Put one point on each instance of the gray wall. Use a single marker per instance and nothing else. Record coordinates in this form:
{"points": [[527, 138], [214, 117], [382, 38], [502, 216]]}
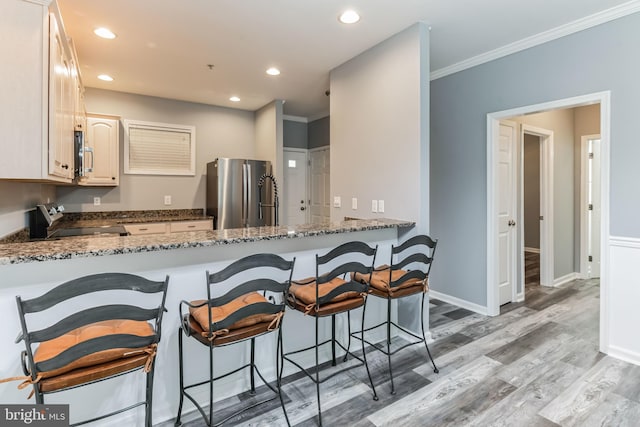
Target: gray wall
{"points": [[598, 59], [319, 132], [220, 132], [531, 175], [379, 129], [295, 134], [269, 139]]}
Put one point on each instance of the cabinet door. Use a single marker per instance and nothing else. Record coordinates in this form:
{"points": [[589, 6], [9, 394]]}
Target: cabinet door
{"points": [[147, 228], [102, 140], [61, 97]]}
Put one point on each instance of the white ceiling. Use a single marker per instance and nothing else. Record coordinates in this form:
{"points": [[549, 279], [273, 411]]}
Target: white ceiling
{"points": [[163, 46]]}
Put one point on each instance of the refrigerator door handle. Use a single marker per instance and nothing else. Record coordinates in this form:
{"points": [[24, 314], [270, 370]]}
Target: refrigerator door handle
{"points": [[245, 192], [249, 196]]}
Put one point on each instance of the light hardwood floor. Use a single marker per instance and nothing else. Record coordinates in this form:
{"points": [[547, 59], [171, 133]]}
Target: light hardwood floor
{"points": [[537, 364]]}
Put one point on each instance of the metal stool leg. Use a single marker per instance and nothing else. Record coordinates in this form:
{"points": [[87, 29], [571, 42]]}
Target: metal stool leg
{"points": [[279, 369], [435, 369], [333, 340], [344, 359], [181, 370], [393, 389], [210, 384], [149, 396], [318, 376], [364, 354], [253, 366]]}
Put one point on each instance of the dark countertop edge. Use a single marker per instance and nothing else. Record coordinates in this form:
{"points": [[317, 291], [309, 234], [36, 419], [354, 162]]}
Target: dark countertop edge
{"points": [[193, 239]]}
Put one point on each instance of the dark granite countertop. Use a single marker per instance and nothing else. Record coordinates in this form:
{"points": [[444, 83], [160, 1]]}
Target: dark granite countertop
{"points": [[79, 247]]}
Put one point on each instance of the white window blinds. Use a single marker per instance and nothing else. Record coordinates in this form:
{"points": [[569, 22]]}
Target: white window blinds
{"points": [[159, 148]]}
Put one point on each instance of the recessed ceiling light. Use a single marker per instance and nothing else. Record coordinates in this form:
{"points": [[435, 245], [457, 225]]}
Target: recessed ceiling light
{"points": [[273, 71], [349, 17], [234, 99], [105, 77], [105, 33]]}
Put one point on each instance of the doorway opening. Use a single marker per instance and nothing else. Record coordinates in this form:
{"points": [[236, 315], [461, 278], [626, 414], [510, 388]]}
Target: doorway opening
{"points": [[565, 227], [532, 148]]}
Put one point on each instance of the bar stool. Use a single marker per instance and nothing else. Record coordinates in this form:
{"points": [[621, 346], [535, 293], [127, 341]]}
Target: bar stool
{"points": [[328, 294], [254, 306], [393, 282], [96, 343]]}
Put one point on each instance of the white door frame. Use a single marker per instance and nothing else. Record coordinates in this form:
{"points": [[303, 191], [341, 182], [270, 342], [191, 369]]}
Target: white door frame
{"points": [[307, 189], [546, 206], [584, 249], [493, 119]]}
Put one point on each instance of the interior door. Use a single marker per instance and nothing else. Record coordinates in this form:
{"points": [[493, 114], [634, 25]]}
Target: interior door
{"points": [[507, 184], [594, 212], [295, 187], [320, 167]]}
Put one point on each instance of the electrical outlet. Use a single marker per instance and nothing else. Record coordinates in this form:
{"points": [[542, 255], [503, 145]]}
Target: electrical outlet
{"points": [[96, 201], [337, 202], [381, 206], [354, 203], [167, 200], [374, 206]]}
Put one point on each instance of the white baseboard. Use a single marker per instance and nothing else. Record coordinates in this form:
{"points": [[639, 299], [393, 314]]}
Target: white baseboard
{"points": [[625, 355], [533, 250], [565, 279], [520, 297], [459, 302]]}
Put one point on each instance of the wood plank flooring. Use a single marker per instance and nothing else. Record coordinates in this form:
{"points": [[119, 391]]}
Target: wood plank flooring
{"points": [[537, 364]]}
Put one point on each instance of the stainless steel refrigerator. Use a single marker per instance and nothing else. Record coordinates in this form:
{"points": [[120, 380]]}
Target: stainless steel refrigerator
{"points": [[233, 193]]}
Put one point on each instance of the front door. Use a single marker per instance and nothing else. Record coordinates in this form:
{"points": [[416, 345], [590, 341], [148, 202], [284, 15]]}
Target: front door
{"points": [[295, 187], [320, 207], [507, 184]]}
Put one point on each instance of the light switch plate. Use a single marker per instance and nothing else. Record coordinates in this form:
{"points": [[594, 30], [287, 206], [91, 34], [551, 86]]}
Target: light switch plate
{"points": [[167, 200], [337, 202], [354, 203], [374, 206], [96, 201], [381, 206]]}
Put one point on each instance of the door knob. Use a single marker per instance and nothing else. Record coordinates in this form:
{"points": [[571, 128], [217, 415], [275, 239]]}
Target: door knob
{"points": [[302, 201], [301, 208]]}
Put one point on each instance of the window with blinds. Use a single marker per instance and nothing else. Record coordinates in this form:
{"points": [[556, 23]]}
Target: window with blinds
{"points": [[159, 148]]}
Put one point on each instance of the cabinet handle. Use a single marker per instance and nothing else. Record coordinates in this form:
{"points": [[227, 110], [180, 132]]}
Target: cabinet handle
{"points": [[113, 178], [65, 166], [191, 226], [143, 229]]}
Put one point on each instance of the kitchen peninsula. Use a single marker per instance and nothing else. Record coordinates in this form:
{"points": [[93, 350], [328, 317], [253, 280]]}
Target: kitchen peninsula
{"points": [[29, 269]]}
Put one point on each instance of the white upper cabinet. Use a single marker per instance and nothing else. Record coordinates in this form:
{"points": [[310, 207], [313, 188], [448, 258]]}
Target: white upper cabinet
{"points": [[101, 156], [37, 113], [62, 100]]}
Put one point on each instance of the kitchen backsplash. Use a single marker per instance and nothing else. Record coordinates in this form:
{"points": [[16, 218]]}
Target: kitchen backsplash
{"points": [[151, 214]]}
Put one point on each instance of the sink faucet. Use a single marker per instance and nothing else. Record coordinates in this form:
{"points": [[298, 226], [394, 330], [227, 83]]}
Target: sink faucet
{"points": [[275, 204]]}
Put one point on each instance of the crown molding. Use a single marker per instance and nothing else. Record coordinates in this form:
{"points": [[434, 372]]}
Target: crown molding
{"points": [[318, 116], [295, 118], [602, 17]]}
